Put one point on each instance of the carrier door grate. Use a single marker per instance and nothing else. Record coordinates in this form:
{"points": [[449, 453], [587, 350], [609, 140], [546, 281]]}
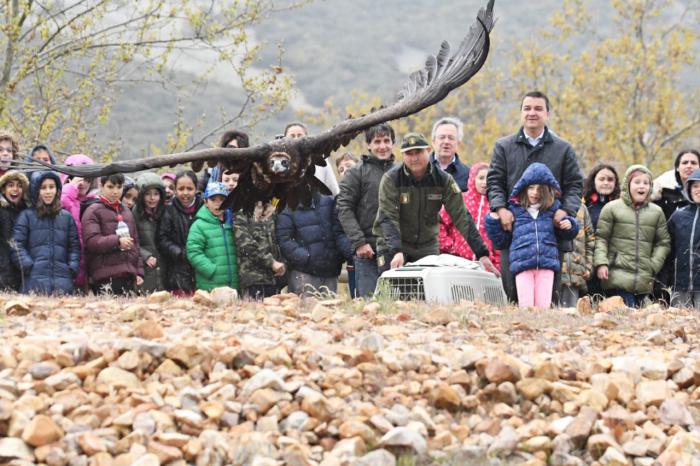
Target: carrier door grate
{"points": [[405, 289]]}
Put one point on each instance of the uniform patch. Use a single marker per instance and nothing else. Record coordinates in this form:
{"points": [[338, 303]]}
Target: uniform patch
{"points": [[380, 261], [455, 188], [405, 198], [434, 197]]}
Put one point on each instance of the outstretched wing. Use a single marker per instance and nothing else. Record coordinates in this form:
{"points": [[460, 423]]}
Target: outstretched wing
{"points": [[442, 74]]}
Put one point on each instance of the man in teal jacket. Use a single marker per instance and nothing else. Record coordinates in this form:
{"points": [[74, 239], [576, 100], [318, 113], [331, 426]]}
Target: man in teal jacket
{"points": [[210, 246]]}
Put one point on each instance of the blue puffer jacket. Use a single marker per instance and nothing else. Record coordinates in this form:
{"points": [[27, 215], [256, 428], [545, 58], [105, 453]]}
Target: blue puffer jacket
{"points": [[311, 238], [684, 228], [533, 242], [48, 247]]}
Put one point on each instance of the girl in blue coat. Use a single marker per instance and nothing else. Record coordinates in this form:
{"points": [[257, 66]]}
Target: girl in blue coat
{"points": [[48, 248], [684, 228], [534, 254]]}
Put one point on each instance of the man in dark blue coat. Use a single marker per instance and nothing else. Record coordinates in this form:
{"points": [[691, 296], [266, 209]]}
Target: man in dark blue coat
{"points": [[447, 134]]}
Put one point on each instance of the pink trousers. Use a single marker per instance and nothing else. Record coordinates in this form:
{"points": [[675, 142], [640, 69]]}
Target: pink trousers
{"points": [[535, 288]]}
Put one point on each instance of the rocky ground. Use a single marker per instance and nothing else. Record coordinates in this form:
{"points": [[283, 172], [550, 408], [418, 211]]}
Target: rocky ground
{"points": [[214, 381]]}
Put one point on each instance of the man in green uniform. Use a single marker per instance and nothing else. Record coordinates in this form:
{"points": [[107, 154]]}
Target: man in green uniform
{"points": [[410, 197]]}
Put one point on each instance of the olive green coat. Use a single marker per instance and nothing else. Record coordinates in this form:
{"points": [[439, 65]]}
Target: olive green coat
{"points": [[577, 265], [632, 241]]}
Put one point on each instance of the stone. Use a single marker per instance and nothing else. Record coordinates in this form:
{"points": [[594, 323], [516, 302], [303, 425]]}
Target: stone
{"points": [[584, 305], [63, 380], [223, 296], [129, 360], [534, 444], [598, 445], [264, 378], [504, 444], [356, 428], [611, 304], [41, 430], [248, 446], [165, 453], [498, 372], [42, 370], [159, 297], [652, 392], [437, 316], [445, 397], [684, 448], [264, 399], [349, 448], [147, 460], [118, 378], [203, 297], [13, 448], [580, 428], [533, 387], [298, 420], [402, 439], [638, 446], [147, 329], [674, 413], [613, 457], [17, 307], [173, 439], [380, 457], [604, 320], [316, 405], [91, 444]]}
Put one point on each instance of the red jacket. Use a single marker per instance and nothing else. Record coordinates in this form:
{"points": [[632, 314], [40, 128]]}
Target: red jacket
{"points": [[451, 241], [104, 258]]}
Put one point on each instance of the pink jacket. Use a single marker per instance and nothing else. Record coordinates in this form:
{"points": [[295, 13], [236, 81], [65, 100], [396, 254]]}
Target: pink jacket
{"points": [[451, 241]]}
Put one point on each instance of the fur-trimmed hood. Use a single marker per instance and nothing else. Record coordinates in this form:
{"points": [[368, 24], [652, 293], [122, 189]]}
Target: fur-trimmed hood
{"points": [[14, 175]]}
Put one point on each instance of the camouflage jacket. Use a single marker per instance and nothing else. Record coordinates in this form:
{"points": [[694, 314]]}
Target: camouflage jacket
{"points": [[257, 248], [577, 265]]}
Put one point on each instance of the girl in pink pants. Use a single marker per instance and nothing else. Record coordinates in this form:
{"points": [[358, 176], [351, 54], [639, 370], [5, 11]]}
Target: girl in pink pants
{"points": [[534, 254]]}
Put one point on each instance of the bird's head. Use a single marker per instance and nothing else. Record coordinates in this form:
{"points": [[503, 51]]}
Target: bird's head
{"points": [[279, 163]]}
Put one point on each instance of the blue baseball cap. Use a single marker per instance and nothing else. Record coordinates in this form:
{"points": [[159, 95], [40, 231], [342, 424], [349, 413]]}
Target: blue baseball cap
{"points": [[215, 189]]}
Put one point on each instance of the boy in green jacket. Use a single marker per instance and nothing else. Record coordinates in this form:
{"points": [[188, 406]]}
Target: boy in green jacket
{"points": [[210, 245]]}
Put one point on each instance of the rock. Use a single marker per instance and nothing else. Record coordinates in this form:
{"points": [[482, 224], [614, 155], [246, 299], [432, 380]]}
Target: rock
{"points": [[598, 445], [147, 460], [356, 428], [684, 448], [638, 446], [41, 430], [404, 439], [611, 304], [531, 388], [547, 370], [504, 444], [17, 307], [316, 405], [613, 457], [159, 297], [437, 316], [497, 372], [265, 378], [652, 392], [129, 360], [165, 453], [118, 378], [91, 444], [534, 444], [298, 420], [14, 448], [349, 448], [604, 320], [249, 446], [63, 380], [133, 312], [147, 329], [223, 296], [379, 457], [580, 428], [674, 413], [264, 399], [203, 297], [584, 306], [42, 370], [445, 397]]}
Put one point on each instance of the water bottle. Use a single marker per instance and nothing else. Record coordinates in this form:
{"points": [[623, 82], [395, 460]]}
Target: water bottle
{"points": [[122, 228]]}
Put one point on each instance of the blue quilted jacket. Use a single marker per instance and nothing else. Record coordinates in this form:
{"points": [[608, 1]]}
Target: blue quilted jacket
{"points": [[533, 242]]}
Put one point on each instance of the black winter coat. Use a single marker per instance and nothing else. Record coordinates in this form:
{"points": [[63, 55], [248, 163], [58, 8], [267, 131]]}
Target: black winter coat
{"points": [[10, 275], [171, 239], [49, 251], [513, 154], [311, 238]]}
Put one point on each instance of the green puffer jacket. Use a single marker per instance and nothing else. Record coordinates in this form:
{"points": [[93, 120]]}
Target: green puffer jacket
{"points": [[632, 242], [212, 252], [577, 265]]}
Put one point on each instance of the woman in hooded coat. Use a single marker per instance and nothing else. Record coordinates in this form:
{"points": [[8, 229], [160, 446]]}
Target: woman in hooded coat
{"points": [[14, 198], [147, 213]]}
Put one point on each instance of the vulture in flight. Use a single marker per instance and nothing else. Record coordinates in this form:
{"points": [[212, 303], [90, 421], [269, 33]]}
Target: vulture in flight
{"points": [[284, 168]]}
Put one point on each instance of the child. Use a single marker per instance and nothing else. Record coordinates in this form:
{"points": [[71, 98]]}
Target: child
{"points": [[632, 241], [9, 148], [684, 229], [130, 193], [76, 193], [112, 242], [451, 240], [344, 163], [261, 270], [171, 235], [577, 265], [169, 184], [230, 180], [601, 186], [313, 245], [46, 240], [14, 188], [210, 246], [534, 255], [147, 213]]}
